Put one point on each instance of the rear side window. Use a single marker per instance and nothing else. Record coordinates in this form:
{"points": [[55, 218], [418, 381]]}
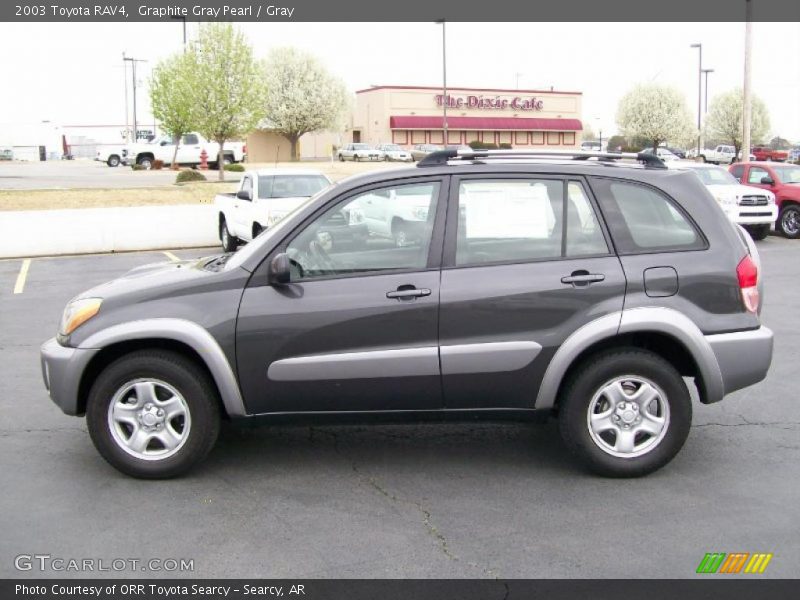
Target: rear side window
{"points": [[643, 220]]}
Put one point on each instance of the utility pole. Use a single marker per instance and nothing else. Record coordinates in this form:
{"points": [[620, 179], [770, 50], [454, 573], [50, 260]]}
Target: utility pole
{"points": [[444, 77], [133, 62], [181, 18], [747, 114], [125, 79], [706, 72], [699, 97]]}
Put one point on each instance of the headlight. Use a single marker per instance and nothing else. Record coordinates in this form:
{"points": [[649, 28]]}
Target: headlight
{"points": [[77, 313], [725, 200]]}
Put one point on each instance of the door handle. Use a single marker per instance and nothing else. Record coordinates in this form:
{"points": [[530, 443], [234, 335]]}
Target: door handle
{"points": [[403, 293], [583, 278]]}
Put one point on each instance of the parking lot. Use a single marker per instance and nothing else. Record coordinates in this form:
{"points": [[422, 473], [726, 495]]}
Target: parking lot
{"points": [[471, 500]]}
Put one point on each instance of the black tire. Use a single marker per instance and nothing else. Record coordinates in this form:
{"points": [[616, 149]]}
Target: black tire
{"points": [[229, 241], [758, 232], [356, 158], [789, 221], [257, 229], [145, 161], [227, 159], [113, 161], [341, 158], [188, 379], [577, 397]]}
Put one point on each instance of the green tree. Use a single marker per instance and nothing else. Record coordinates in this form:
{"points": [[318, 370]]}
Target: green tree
{"points": [[779, 143], [171, 98], [227, 85], [656, 113], [588, 133], [616, 142], [302, 96], [724, 119]]}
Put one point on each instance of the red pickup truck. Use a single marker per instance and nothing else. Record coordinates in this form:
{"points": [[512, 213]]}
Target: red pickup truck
{"points": [[781, 180], [765, 153]]}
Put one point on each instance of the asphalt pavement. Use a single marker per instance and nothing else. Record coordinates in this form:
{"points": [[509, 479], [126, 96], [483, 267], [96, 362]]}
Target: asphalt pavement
{"points": [[472, 500]]}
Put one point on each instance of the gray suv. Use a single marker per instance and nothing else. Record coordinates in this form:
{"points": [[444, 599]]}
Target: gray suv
{"points": [[584, 286]]}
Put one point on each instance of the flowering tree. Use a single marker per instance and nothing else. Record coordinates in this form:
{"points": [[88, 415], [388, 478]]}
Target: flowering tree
{"points": [[227, 85], [725, 119], [171, 98], [657, 113], [301, 95]]}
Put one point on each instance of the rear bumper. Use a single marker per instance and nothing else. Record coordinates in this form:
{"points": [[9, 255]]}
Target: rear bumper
{"points": [[743, 357], [62, 369]]}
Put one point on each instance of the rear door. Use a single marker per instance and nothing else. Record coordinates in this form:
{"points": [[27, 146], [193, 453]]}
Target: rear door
{"points": [[527, 262]]}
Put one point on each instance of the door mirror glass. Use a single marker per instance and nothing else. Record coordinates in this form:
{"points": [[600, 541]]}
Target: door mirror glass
{"points": [[280, 269], [244, 195], [767, 180]]}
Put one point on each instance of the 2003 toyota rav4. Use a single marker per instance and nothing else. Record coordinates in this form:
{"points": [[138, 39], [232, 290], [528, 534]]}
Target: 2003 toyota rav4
{"points": [[533, 284]]}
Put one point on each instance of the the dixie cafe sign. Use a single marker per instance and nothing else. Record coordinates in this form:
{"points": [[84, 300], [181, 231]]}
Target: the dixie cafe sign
{"points": [[490, 102]]}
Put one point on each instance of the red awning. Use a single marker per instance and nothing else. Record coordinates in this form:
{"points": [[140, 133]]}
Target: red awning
{"points": [[486, 123]]}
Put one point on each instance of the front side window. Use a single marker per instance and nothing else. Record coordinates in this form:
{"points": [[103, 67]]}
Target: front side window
{"points": [[737, 171], [644, 220], [756, 174], [787, 173], [190, 139], [247, 185], [383, 230]]}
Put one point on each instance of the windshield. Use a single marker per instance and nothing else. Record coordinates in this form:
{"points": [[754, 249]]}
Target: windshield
{"points": [[391, 147], [360, 146], [290, 186], [787, 173], [715, 176]]}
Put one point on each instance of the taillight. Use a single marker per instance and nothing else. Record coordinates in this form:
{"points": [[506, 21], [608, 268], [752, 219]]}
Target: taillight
{"points": [[747, 273]]}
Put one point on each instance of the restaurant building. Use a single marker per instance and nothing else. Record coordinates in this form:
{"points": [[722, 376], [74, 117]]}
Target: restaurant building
{"points": [[408, 116]]}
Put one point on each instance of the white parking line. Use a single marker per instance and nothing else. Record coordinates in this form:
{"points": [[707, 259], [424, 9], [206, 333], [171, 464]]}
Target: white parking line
{"points": [[23, 275], [171, 256]]}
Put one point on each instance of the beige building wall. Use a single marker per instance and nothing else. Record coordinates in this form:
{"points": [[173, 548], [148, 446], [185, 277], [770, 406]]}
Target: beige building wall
{"points": [[374, 107], [265, 146]]}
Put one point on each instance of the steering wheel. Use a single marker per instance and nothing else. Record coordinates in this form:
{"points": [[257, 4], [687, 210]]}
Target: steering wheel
{"points": [[321, 257]]}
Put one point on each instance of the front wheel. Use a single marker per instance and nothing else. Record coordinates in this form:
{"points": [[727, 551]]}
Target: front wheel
{"points": [[229, 242], [153, 414], [145, 162], [625, 413], [758, 232], [789, 221]]}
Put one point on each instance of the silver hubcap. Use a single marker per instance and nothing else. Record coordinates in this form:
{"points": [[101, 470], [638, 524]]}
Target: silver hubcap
{"points": [[628, 416], [791, 221], [149, 419], [225, 237]]}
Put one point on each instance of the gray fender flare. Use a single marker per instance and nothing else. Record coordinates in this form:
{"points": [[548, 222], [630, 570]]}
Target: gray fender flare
{"points": [[189, 333], [663, 320]]}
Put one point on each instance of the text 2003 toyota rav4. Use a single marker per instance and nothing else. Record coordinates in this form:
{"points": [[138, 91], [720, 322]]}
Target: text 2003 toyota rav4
{"points": [[581, 288]]}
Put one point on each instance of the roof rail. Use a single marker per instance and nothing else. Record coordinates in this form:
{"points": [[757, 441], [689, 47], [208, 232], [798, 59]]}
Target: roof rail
{"points": [[444, 157]]}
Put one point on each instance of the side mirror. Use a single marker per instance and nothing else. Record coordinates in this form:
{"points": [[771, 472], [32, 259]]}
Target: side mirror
{"points": [[244, 195], [280, 270], [163, 143], [767, 180]]}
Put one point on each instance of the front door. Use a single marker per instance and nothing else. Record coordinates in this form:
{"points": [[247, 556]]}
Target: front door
{"points": [[527, 263], [189, 150], [357, 327]]}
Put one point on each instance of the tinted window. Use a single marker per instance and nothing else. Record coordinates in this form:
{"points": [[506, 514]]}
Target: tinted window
{"points": [[755, 175], [584, 235], [381, 230], [290, 186], [644, 220], [190, 139]]}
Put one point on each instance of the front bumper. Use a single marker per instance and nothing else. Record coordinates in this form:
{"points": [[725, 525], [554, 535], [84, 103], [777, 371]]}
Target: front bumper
{"points": [[62, 369], [754, 215], [743, 357]]}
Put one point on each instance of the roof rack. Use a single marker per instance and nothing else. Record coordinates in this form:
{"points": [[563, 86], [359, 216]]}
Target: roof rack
{"points": [[444, 157]]}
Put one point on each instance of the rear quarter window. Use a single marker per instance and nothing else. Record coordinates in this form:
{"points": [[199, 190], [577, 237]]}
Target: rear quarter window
{"points": [[643, 220]]}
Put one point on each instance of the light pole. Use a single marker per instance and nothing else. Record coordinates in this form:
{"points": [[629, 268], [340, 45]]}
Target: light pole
{"points": [[706, 72], [517, 76], [747, 100], [699, 94], [444, 77], [133, 62], [181, 18]]}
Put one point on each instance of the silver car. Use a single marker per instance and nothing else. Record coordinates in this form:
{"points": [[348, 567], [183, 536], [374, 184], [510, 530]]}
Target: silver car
{"points": [[420, 151], [358, 151], [394, 152]]}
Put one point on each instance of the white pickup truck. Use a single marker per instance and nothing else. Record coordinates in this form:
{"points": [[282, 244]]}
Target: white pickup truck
{"points": [[264, 197], [111, 155], [189, 150], [721, 155]]}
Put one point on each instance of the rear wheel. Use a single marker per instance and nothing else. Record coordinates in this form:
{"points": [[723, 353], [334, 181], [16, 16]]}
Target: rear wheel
{"points": [[341, 158], [113, 161], [145, 162], [789, 221], [153, 414], [229, 242], [625, 413]]}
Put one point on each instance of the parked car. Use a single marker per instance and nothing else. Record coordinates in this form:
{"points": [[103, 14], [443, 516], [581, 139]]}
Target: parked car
{"points": [[190, 148], [679, 152], [358, 152], [393, 152], [420, 151], [591, 146], [663, 153], [264, 197], [111, 155], [751, 207], [398, 214], [721, 155], [583, 290], [783, 180], [765, 153], [6, 154], [794, 154]]}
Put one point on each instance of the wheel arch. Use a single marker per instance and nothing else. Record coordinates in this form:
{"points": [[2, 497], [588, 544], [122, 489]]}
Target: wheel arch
{"points": [[183, 337], [666, 332]]}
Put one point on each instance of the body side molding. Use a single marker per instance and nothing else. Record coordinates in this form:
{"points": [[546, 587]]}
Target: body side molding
{"points": [[490, 357], [189, 333], [397, 362]]}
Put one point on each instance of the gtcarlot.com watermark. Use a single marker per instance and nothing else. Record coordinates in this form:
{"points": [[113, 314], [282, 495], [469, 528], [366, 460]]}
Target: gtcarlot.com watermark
{"points": [[46, 563]]}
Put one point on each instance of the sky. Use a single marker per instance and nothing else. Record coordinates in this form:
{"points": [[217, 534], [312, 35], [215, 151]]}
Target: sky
{"points": [[72, 73]]}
